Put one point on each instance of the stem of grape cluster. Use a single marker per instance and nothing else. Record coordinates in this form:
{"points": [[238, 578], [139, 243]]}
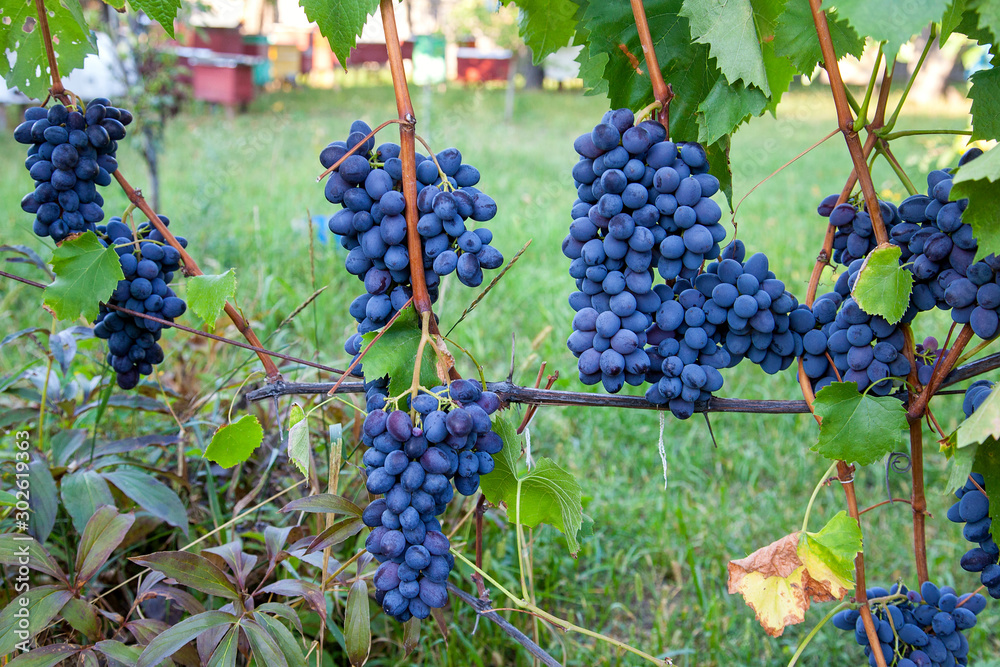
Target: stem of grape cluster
{"points": [[57, 89], [913, 76], [846, 121], [191, 269], [662, 92]]}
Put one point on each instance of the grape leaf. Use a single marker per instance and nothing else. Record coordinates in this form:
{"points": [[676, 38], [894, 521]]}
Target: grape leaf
{"points": [[726, 107], [393, 354], [951, 19], [86, 274], [781, 580], [162, 11], [727, 26], [858, 427], [548, 493], [340, 21], [207, 295], [780, 71], [979, 180], [983, 425], [829, 554], [883, 286], [19, 34], [298, 439], [961, 464], [235, 443], [545, 25], [987, 464], [887, 21], [985, 94], [795, 37]]}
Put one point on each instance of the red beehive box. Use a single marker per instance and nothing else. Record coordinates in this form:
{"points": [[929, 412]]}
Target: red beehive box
{"points": [[221, 69], [482, 65]]}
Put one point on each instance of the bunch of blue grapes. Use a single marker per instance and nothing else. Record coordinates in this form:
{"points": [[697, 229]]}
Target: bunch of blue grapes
{"points": [[372, 224], [71, 151], [865, 349], [643, 203], [149, 266], [413, 462], [940, 250], [854, 236], [917, 629]]}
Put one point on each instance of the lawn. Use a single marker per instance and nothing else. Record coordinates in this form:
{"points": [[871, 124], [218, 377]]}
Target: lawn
{"points": [[653, 572]]}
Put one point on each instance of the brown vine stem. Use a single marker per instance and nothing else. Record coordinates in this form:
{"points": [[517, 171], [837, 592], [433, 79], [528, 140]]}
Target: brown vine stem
{"points": [[845, 474], [918, 499], [941, 370], [361, 355], [846, 121], [408, 156], [191, 269], [661, 91], [57, 89]]}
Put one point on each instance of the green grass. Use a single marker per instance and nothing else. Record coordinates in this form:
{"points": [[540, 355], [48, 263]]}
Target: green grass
{"points": [[654, 571]]}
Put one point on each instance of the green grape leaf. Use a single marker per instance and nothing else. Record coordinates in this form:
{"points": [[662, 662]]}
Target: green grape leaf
{"points": [[726, 107], [727, 27], [883, 286], [858, 427], [795, 37], [548, 494], [952, 19], [340, 21], [961, 465], [298, 439], [393, 354], [888, 22], [829, 554], [979, 180], [545, 26], [207, 295], [987, 464], [985, 94], [86, 274], [983, 425], [234, 443], [162, 11], [19, 34], [780, 71]]}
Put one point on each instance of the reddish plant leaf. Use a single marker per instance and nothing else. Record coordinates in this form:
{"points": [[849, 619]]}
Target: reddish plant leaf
{"points": [[324, 503], [174, 638], [45, 656], [15, 547], [102, 535], [357, 624], [190, 570]]}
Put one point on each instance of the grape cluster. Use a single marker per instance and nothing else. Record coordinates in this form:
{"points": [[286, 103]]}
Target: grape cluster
{"points": [[735, 310], [149, 265], [372, 224], [71, 151], [413, 463], [865, 349], [917, 629], [854, 236], [642, 203]]}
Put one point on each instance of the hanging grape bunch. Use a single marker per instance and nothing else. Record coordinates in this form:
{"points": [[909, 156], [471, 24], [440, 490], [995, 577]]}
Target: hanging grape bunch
{"points": [[149, 266], [71, 151], [372, 224]]}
